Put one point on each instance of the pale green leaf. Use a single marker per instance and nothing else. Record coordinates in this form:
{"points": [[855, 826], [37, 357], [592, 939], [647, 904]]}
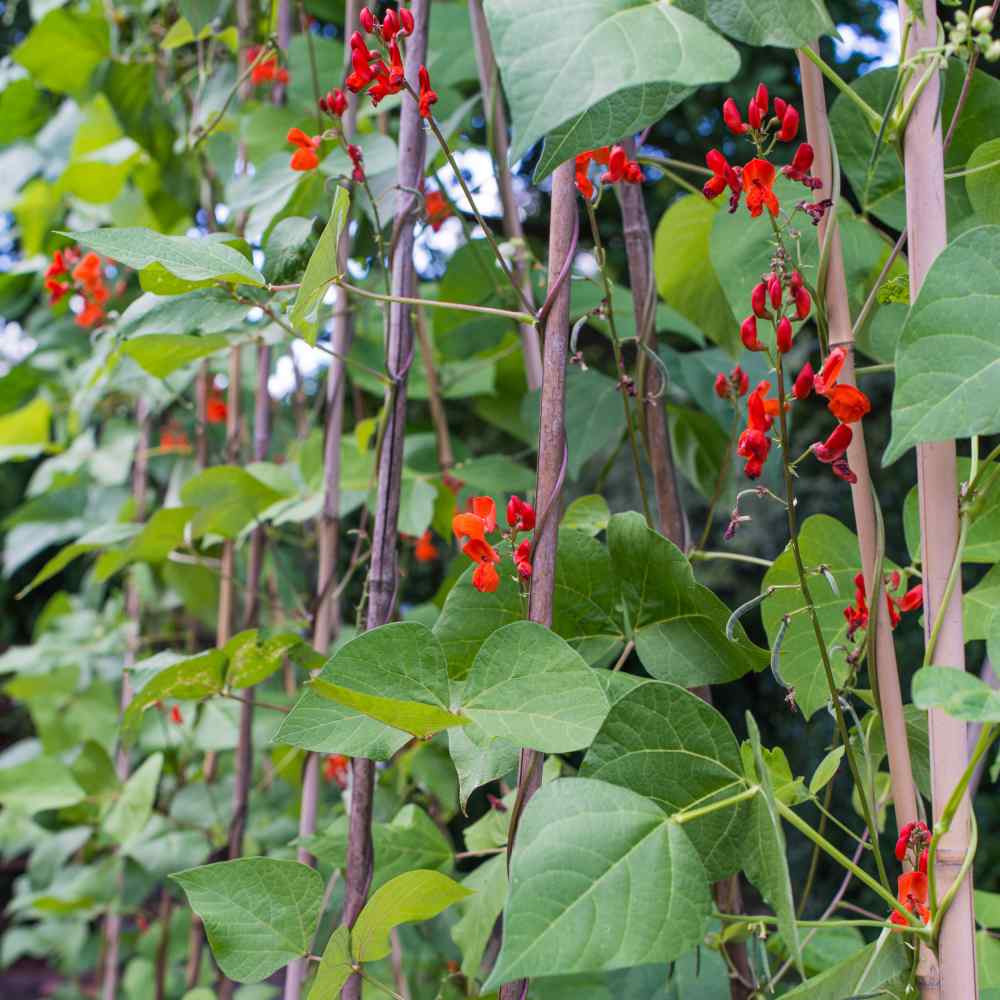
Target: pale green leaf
{"points": [[99, 538], [134, 806], [335, 966], [982, 182], [64, 48], [38, 784], [786, 23], [259, 913], [826, 770], [589, 514], [488, 884], [961, 695], [227, 498], [321, 269]]}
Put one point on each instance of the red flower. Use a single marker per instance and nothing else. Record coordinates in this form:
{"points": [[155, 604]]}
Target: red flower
{"points": [[779, 108], [798, 169], [758, 180], [748, 334], [804, 382], [485, 578], [522, 559], [427, 96], [90, 315], [783, 335], [758, 300], [520, 515], [803, 303], [88, 271], [436, 209], [857, 615], [754, 446], [723, 176], [835, 446], [731, 116], [334, 103], [175, 716], [775, 292], [789, 124], [830, 371], [761, 98], [304, 158], [732, 386], [367, 19], [912, 599], [390, 25], [357, 158], [173, 439], [847, 403], [361, 72], [267, 70], [478, 522], [425, 550], [216, 410], [912, 893], [405, 21], [335, 768]]}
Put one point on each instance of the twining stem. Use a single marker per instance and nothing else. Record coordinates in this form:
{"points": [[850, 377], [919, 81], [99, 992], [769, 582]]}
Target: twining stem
{"points": [[383, 574], [435, 403], [619, 362], [873, 117], [793, 532], [720, 481]]}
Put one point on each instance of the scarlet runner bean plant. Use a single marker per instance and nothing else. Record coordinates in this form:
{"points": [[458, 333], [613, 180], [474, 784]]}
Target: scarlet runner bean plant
{"points": [[497, 660]]}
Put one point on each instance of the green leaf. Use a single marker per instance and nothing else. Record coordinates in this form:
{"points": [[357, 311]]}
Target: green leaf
{"points": [[162, 354], [665, 743], [166, 675], [288, 248], [488, 884], [882, 192], [600, 879], [787, 23], [63, 49], [948, 355], [685, 277], [228, 498], [699, 445], [181, 256], [624, 113], [826, 770], [767, 856], [529, 686], [420, 720], [38, 784], [982, 543], [259, 913], [25, 431], [335, 966], [321, 269], [253, 659], [130, 813], [987, 909], [961, 695], [982, 182], [479, 758], [99, 538], [408, 898], [624, 47], [823, 541], [589, 514], [678, 625], [862, 975], [159, 536]]}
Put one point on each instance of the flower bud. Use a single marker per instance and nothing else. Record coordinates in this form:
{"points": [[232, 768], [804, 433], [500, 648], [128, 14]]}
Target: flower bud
{"points": [[740, 380], [731, 116], [761, 98], [789, 124], [803, 303], [774, 291], [748, 334], [982, 19], [357, 40], [723, 389], [779, 108], [803, 158], [405, 21], [758, 300], [754, 117], [803, 386], [795, 281], [367, 21], [390, 25], [783, 335]]}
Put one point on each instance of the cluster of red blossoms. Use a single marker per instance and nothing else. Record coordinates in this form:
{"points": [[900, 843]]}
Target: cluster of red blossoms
{"points": [[479, 521], [618, 167], [912, 886], [216, 410], [173, 439], [67, 271], [857, 613], [267, 70], [756, 178], [370, 71], [732, 386]]}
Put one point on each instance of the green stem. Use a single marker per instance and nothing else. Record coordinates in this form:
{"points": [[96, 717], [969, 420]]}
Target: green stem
{"points": [[949, 589], [701, 555], [520, 317], [791, 817], [873, 369], [743, 918], [874, 118], [664, 164], [688, 815], [619, 363]]}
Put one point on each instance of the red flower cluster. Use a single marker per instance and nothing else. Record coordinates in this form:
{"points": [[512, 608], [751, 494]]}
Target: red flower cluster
{"points": [[335, 768], [771, 290], [334, 103], [732, 386], [912, 886], [267, 70], [174, 440], [618, 168], [756, 178], [857, 613], [481, 520], [67, 271], [425, 550], [754, 444]]}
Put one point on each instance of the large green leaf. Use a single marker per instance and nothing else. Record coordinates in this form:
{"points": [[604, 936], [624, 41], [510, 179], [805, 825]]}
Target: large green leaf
{"points": [[667, 744], [253, 658], [766, 853], [685, 277], [625, 46], [228, 498], [92, 541], [881, 192], [131, 812], [823, 541], [788, 23], [678, 625], [183, 257], [961, 695], [413, 896], [38, 784], [259, 913], [861, 975], [24, 432], [529, 686], [982, 182], [623, 113], [321, 269], [600, 879], [948, 355], [64, 48]]}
